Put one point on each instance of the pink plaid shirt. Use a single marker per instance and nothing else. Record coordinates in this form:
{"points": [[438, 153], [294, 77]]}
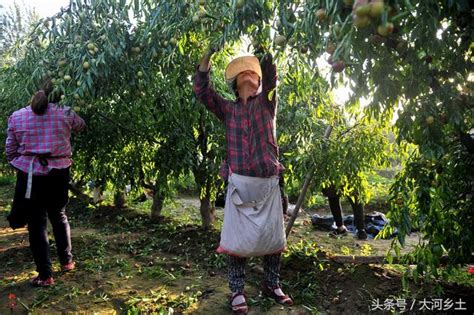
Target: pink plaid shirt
{"points": [[49, 134]]}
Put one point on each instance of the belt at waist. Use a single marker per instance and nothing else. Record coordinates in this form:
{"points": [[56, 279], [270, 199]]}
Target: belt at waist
{"points": [[43, 159]]}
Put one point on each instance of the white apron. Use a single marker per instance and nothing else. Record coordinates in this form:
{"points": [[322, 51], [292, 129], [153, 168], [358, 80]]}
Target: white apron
{"points": [[253, 217]]}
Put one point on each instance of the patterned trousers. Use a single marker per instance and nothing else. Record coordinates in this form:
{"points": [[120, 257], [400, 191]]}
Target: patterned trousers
{"points": [[236, 266]]}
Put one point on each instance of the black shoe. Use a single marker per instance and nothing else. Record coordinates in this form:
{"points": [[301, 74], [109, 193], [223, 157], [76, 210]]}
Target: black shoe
{"points": [[361, 234]]}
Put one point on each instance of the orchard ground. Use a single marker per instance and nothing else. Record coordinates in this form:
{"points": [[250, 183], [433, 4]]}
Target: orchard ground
{"points": [[127, 265]]}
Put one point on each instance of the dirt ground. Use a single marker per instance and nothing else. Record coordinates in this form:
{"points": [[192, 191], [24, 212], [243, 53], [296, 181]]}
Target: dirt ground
{"points": [[127, 265]]}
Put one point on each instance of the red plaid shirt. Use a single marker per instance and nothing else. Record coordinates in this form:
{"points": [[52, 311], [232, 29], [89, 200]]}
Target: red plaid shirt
{"points": [[250, 129], [49, 134]]}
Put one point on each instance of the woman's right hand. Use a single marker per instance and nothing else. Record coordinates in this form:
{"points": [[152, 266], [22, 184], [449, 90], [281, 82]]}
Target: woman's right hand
{"points": [[206, 59]]}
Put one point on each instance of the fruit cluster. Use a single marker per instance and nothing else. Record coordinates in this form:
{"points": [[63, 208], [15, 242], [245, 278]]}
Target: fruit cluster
{"points": [[363, 14]]}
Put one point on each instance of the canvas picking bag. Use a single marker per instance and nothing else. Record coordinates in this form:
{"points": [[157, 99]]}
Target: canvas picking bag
{"points": [[253, 217]]}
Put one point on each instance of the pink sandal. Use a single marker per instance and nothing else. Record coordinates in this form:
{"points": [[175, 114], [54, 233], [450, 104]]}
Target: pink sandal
{"points": [[239, 308], [277, 295], [68, 267], [37, 282]]}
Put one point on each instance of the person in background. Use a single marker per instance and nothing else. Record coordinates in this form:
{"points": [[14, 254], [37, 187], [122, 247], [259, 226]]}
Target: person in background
{"points": [[251, 166], [38, 146], [336, 210]]}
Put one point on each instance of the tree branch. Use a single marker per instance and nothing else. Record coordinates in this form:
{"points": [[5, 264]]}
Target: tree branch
{"points": [[302, 195], [129, 129]]}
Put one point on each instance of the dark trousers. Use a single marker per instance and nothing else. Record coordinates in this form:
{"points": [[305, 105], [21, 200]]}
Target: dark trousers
{"points": [[336, 209], [49, 197], [271, 269]]}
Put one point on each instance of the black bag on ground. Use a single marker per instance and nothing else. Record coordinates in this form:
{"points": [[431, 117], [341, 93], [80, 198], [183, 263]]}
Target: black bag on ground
{"points": [[374, 223]]}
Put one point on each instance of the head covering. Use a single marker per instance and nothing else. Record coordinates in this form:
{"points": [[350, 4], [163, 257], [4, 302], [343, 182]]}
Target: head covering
{"points": [[242, 64]]}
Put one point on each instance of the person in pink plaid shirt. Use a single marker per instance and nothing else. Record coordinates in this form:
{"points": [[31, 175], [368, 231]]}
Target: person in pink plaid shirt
{"points": [[251, 167], [38, 146]]}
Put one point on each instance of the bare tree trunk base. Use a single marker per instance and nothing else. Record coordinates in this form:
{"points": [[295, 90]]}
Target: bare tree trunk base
{"points": [[156, 208], [158, 219], [207, 210], [119, 200]]}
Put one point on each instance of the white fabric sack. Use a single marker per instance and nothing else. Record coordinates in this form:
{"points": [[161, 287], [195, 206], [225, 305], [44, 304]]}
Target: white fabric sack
{"points": [[253, 217]]}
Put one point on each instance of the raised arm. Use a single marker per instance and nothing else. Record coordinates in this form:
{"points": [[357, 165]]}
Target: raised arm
{"points": [[11, 146], [206, 61], [78, 123], [204, 91], [269, 81]]}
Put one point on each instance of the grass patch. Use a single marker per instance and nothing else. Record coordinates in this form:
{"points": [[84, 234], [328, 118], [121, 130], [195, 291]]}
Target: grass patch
{"points": [[7, 180], [160, 302]]}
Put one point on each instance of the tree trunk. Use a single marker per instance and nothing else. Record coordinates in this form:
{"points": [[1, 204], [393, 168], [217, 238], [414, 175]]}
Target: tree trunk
{"points": [[119, 199], [203, 178], [207, 210], [157, 206], [97, 194]]}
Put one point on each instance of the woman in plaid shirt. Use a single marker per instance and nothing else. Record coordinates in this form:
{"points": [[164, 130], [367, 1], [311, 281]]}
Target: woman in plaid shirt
{"points": [[252, 169], [38, 147]]}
